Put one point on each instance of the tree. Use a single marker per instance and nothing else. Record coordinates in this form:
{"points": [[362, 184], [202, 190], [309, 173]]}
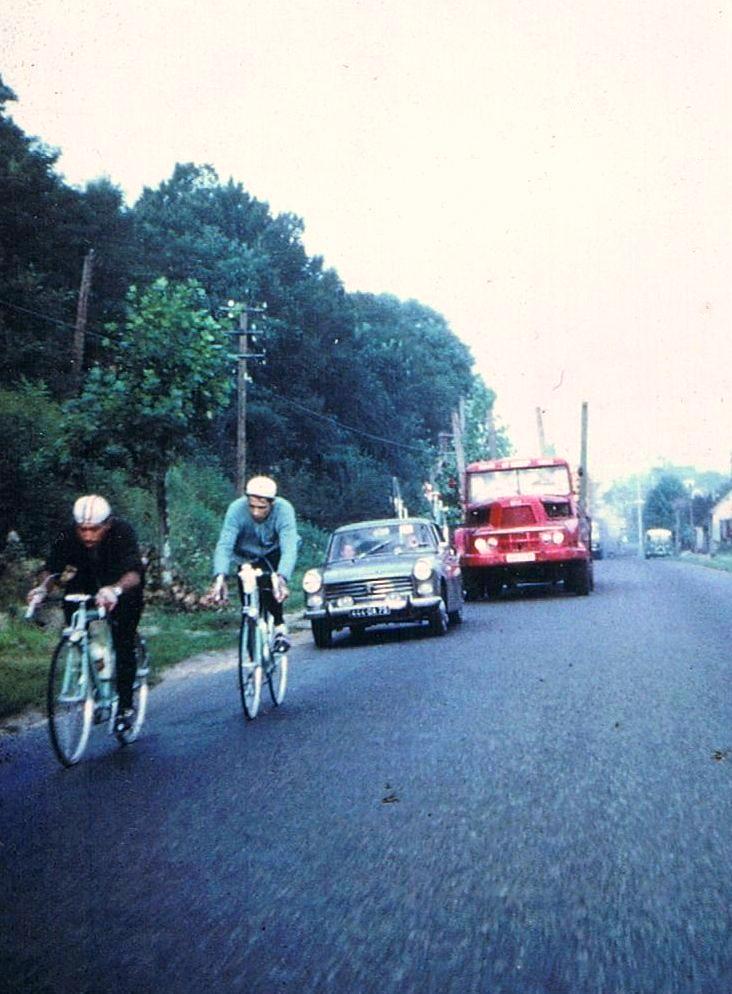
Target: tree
{"points": [[34, 496], [661, 506], [169, 376]]}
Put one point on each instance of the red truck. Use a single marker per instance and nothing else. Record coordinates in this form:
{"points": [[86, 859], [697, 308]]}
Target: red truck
{"points": [[523, 524]]}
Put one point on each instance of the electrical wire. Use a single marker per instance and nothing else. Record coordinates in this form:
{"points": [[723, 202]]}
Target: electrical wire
{"points": [[47, 317], [355, 431]]}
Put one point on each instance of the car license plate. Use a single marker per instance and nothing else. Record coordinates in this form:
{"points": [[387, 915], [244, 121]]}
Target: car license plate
{"points": [[370, 612], [520, 557]]}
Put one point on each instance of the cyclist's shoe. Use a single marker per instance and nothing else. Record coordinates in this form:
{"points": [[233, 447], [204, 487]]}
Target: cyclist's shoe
{"points": [[125, 720], [281, 643]]}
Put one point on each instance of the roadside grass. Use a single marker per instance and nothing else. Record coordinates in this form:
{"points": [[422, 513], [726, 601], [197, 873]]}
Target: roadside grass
{"points": [[25, 649], [720, 561]]}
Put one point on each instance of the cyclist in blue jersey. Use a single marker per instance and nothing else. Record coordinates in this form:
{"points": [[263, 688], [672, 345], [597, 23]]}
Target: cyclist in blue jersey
{"points": [[259, 528]]}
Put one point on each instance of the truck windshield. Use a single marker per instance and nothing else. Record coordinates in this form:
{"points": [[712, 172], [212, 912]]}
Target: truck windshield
{"points": [[496, 483]]}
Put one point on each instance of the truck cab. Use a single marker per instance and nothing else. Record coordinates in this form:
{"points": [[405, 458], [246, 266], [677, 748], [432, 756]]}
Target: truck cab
{"points": [[522, 524]]}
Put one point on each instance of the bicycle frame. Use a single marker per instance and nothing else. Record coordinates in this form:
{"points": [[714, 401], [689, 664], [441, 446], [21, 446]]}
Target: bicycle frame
{"points": [[257, 659], [82, 689], [252, 608], [79, 631]]}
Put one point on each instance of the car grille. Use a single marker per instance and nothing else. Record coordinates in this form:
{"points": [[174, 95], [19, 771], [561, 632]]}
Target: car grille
{"points": [[366, 590]]}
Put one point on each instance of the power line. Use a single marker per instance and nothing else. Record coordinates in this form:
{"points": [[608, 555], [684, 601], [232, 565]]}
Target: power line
{"points": [[355, 431], [47, 317]]}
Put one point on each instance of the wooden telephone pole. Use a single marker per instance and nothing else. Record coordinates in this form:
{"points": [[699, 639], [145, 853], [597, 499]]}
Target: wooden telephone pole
{"points": [[458, 421], [583, 460], [540, 430], [242, 356], [82, 308]]}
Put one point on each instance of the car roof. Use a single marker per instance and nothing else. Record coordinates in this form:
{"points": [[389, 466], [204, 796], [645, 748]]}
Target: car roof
{"points": [[383, 522]]}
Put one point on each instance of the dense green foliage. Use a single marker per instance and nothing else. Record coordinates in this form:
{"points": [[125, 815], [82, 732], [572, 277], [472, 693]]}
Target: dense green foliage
{"points": [[350, 391]]}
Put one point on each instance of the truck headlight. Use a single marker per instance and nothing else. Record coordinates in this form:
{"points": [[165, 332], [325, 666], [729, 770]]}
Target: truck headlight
{"points": [[422, 569], [312, 581]]}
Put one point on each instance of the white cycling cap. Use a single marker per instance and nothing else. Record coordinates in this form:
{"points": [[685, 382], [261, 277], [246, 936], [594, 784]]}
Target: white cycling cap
{"points": [[262, 486], [91, 510]]}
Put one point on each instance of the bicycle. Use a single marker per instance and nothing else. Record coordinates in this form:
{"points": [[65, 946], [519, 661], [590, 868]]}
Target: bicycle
{"points": [[257, 657], [81, 682]]}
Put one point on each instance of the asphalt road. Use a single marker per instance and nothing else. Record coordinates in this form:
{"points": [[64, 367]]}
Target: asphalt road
{"points": [[538, 803]]}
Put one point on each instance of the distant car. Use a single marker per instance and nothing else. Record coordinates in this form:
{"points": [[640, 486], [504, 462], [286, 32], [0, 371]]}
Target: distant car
{"points": [[386, 571], [659, 543]]}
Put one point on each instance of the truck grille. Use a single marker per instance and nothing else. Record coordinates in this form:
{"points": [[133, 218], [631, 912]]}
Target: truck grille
{"points": [[366, 590], [515, 517]]}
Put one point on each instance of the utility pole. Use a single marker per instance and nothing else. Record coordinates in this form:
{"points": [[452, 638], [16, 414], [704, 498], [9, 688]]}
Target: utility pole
{"points": [[491, 427], [82, 307], [639, 505], [457, 436], [242, 356], [241, 411], [540, 429], [583, 460]]}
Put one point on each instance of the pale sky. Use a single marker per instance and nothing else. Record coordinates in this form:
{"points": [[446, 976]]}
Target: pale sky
{"points": [[553, 176]]}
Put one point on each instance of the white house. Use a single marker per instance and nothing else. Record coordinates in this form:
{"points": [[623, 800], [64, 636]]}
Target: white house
{"points": [[722, 521]]}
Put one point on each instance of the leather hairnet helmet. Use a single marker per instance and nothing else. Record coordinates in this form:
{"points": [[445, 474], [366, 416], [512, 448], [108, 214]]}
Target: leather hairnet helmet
{"points": [[261, 486], [91, 510]]}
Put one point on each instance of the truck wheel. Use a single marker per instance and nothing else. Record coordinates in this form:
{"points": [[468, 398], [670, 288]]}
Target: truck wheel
{"points": [[579, 580], [493, 587], [322, 633], [473, 585]]}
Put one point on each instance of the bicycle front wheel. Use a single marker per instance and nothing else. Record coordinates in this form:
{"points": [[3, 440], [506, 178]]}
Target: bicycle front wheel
{"points": [[250, 667], [70, 702], [277, 675], [139, 693]]}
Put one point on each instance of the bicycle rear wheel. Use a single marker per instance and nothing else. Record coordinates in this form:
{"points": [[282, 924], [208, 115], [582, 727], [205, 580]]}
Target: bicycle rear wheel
{"points": [[139, 693], [250, 667], [70, 702]]}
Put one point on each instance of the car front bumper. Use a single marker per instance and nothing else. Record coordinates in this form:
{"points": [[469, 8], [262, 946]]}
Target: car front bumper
{"points": [[375, 612]]}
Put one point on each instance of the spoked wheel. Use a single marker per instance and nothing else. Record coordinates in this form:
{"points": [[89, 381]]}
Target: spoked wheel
{"points": [[139, 693], [70, 702], [250, 667], [277, 676]]}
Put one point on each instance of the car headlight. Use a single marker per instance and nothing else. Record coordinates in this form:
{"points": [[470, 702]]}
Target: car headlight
{"points": [[312, 581], [422, 569]]}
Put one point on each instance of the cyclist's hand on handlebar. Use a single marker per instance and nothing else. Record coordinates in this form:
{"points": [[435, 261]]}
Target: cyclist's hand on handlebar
{"points": [[279, 588], [36, 595], [107, 598], [219, 591]]}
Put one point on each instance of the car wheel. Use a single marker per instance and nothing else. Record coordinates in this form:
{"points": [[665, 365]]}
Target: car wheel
{"points": [[438, 620], [456, 617], [322, 633]]}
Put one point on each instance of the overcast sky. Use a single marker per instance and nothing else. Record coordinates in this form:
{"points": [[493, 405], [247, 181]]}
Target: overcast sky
{"points": [[553, 176]]}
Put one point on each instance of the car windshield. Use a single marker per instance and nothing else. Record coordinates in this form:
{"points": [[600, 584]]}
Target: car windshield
{"points": [[497, 483], [392, 539]]}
